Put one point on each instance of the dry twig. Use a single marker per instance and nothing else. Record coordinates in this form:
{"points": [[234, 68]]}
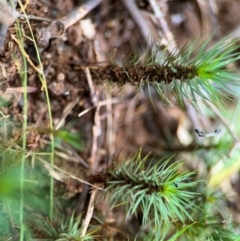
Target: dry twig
{"points": [[66, 112], [89, 214], [26, 55], [138, 18], [49, 168], [167, 32], [57, 28], [97, 131]]}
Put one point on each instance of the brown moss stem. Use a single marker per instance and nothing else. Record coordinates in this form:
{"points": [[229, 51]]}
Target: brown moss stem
{"points": [[137, 75]]}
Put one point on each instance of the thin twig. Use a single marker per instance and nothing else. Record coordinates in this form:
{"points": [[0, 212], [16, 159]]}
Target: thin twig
{"points": [[78, 179], [96, 130], [32, 17], [138, 18], [90, 84], [111, 134], [97, 122], [79, 13], [58, 27], [89, 214], [69, 175], [71, 155], [101, 103], [167, 32], [29, 89], [66, 112], [26, 55]]}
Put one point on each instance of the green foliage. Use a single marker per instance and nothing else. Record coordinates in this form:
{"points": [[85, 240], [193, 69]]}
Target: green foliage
{"points": [[172, 204], [63, 229], [205, 228], [73, 139], [157, 188], [205, 75], [213, 79], [179, 74], [10, 191]]}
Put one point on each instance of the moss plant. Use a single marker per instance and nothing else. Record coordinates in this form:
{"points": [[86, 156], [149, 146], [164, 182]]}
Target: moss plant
{"points": [[169, 200], [182, 75], [205, 228], [154, 188], [63, 229]]}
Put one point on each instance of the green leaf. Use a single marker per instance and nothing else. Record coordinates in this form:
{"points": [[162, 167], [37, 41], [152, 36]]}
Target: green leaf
{"points": [[73, 139]]}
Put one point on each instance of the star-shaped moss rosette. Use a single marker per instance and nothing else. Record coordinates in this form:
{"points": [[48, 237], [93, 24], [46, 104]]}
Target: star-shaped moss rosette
{"points": [[179, 74], [159, 190]]}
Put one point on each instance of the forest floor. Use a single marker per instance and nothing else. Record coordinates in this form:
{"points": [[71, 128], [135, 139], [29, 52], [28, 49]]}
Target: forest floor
{"points": [[95, 122]]}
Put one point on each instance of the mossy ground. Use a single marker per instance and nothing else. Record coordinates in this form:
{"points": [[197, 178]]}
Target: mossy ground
{"points": [[118, 129]]}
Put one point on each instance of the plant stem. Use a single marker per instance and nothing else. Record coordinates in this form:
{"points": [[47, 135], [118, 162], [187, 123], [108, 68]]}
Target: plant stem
{"points": [[137, 75], [24, 138]]}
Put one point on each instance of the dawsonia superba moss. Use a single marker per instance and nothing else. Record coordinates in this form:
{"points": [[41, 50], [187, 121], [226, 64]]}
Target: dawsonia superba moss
{"points": [[137, 184], [137, 75], [206, 75]]}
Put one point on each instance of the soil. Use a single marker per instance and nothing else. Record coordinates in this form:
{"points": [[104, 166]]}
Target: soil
{"points": [[114, 121]]}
